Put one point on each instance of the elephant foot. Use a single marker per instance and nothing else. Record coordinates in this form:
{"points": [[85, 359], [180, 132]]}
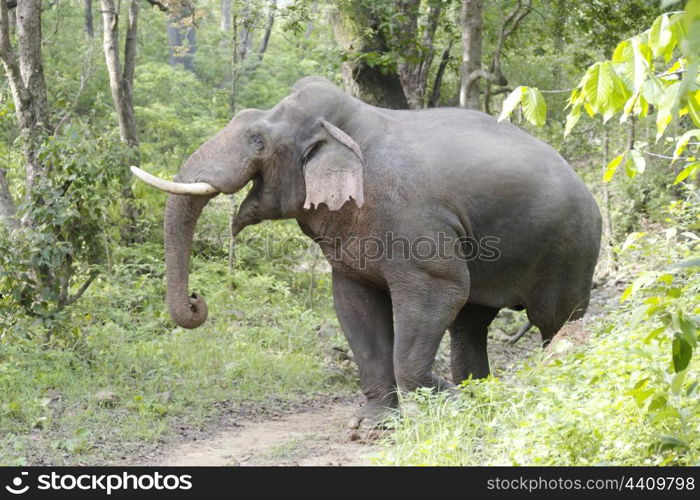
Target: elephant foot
{"points": [[442, 384], [370, 416]]}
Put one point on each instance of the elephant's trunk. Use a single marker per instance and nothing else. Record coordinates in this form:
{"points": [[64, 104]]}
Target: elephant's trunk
{"points": [[181, 214]]}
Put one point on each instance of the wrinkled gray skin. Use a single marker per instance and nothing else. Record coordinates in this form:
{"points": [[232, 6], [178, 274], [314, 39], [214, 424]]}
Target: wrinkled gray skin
{"points": [[424, 172]]}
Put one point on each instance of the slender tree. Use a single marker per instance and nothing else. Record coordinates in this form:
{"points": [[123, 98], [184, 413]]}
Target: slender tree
{"points": [[121, 83], [472, 71], [121, 80], [472, 34], [25, 73], [225, 16], [494, 75], [89, 27], [243, 62]]}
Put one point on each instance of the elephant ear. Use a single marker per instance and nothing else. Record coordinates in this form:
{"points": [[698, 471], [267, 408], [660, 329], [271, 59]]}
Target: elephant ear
{"points": [[333, 171]]}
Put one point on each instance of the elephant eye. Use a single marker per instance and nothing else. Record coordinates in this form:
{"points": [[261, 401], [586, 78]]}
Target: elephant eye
{"points": [[257, 141]]}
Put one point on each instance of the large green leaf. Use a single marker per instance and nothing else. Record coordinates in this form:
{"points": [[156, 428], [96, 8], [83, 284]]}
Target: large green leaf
{"points": [[597, 85], [653, 90], [534, 107], [690, 26], [690, 170], [682, 353], [635, 163], [622, 52], [572, 119], [511, 102], [667, 108], [683, 142], [644, 279], [694, 107], [603, 89], [632, 59], [612, 167], [662, 37]]}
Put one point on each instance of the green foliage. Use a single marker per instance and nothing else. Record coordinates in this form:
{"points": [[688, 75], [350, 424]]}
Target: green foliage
{"points": [[631, 80], [633, 162], [533, 104], [176, 112], [258, 347], [71, 211], [264, 85]]}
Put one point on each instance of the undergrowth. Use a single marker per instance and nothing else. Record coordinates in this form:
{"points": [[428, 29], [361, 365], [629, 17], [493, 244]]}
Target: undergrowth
{"points": [[120, 373]]}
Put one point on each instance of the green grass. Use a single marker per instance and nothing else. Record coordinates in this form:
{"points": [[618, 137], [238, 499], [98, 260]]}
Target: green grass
{"points": [[622, 398], [575, 409], [259, 345]]}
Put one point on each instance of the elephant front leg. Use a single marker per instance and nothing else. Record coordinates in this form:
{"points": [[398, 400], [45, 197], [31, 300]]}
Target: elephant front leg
{"points": [[423, 310], [365, 315]]}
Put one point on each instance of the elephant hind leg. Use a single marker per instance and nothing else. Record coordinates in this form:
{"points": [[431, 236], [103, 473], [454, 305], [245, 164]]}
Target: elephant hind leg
{"points": [[468, 333], [549, 313]]}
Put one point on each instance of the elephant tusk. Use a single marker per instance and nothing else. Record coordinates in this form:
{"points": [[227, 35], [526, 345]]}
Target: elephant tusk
{"points": [[191, 188]]}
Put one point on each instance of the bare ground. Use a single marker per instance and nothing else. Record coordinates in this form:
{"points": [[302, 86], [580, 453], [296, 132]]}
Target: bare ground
{"points": [[314, 437], [311, 434]]}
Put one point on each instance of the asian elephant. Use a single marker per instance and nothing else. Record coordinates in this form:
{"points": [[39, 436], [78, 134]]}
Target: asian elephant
{"points": [[432, 220]]}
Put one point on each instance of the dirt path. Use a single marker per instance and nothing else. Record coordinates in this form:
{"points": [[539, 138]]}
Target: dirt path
{"points": [[310, 434], [318, 436]]}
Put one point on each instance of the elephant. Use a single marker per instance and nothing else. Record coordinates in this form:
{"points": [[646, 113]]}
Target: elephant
{"points": [[352, 173]]}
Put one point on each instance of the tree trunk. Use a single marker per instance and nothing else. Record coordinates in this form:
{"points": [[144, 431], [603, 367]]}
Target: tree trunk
{"points": [[558, 35], [233, 210], [89, 27], [268, 30], [8, 209], [25, 74], [244, 35], [13, 17], [630, 132], [472, 34], [234, 65], [242, 41], [182, 37], [434, 101], [607, 217], [225, 15], [121, 82], [494, 75], [408, 67], [310, 24], [416, 58], [350, 22]]}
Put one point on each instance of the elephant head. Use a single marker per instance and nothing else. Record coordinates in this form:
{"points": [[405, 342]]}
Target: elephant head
{"points": [[297, 156]]}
